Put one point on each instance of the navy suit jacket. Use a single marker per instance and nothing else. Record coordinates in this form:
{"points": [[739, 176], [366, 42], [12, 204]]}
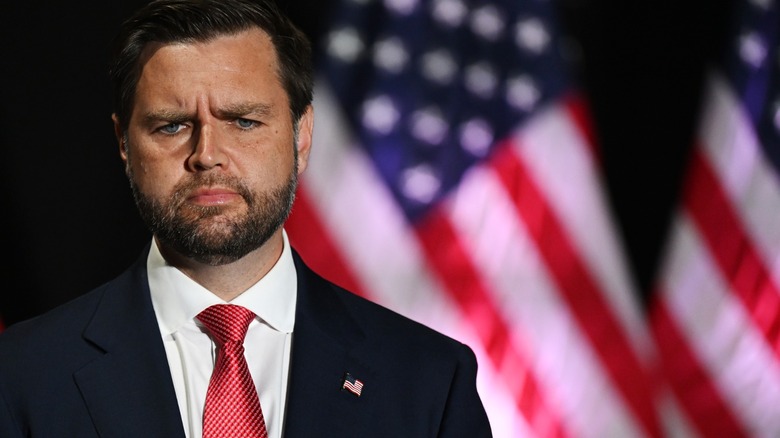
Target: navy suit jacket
{"points": [[96, 367]]}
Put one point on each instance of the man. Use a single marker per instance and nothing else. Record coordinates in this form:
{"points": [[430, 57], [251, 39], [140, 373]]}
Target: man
{"points": [[214, 122]]}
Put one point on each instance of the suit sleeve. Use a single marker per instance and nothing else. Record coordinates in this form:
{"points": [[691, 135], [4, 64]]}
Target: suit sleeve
{"points": [[464, 414]]}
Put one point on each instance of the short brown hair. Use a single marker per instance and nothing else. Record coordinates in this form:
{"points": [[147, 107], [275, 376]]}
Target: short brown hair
{"points": [[174, 21]]}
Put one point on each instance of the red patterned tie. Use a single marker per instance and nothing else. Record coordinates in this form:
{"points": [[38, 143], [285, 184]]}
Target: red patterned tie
{"points": [[232, 407]]}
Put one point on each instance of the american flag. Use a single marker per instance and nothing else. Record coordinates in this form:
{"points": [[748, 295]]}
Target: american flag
{"points": [[352, 385], [454, 179], [717, 315]]}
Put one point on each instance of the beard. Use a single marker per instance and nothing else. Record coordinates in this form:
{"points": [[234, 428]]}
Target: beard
{"points": [[211, 234]]}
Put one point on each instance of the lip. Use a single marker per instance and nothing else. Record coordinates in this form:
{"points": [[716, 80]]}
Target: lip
{"points": [[213, 196]]}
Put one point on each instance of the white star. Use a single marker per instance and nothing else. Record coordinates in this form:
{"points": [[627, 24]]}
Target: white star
{"points": [[532, 35], [391, 55], [487, 23], [439, 66], [401, 7], [522, 92], [481, 79], [449, 12], [476, 136], [380, 114], [429, 125], [420, 183], [752, 49], [345, 44]]}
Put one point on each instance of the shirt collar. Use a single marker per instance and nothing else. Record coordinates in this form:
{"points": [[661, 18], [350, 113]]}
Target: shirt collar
{"points": [[177, 299]]}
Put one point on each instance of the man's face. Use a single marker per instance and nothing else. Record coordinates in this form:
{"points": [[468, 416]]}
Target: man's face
{"points": [[211, 148]]}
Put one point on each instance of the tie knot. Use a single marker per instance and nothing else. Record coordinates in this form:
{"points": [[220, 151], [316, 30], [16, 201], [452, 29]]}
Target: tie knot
{"points": [[226, 322]]}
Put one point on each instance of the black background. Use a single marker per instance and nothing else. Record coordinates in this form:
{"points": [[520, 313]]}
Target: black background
{"points": [[70, 223]]}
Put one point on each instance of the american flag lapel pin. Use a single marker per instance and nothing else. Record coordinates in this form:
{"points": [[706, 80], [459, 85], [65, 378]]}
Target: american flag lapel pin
{"points": [[352, 385]]}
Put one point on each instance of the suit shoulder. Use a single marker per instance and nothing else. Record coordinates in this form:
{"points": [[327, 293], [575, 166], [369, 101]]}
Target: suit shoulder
{"points": [[68, 320], [53, 328], [378, 321], [397, 328]]}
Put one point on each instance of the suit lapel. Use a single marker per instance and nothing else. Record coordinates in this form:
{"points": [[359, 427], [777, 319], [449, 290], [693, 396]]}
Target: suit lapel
{"points": [[325, 342], [129, 392], [128, 389]]}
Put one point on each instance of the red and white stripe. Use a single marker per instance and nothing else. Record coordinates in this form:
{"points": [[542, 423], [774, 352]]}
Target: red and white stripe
{"points": [[520, 262], [717, 321]]}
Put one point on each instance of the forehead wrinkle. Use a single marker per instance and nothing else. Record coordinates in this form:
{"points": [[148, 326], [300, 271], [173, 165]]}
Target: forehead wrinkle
{"points": [[232, 110]]}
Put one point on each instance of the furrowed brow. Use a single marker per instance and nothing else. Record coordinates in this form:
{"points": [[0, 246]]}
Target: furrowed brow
{"points": [[165, 115], [244, 109]]}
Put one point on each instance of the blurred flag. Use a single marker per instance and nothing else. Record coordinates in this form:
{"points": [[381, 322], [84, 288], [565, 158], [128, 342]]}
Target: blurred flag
{"points": [[454, 180], [717, 317]]}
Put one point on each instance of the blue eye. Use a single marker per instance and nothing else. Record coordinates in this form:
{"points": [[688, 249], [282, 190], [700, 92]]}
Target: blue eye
{"points": [[245, 123], [171, 128]]}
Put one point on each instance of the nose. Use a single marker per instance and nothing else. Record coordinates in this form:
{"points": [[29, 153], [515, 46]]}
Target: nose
{"points": [[207, 152]]}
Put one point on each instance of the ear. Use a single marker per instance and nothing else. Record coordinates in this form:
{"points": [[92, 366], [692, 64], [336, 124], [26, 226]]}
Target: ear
{"points": [[121, 139], [305, 130]]}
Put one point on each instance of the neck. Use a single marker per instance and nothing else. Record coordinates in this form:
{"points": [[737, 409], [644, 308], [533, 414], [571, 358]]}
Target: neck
{"points": [[229, 280]]}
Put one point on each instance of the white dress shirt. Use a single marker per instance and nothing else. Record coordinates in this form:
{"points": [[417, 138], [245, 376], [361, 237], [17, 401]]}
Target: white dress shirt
{"points": [[177, 299]]}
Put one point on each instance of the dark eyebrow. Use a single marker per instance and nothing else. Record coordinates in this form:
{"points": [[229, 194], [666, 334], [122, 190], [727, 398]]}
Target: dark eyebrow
{"points": [[166, 115], [234, 111], [239, 110]]}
